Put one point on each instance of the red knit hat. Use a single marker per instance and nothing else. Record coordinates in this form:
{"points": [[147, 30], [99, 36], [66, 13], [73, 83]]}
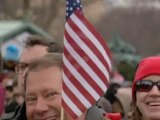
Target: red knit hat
{"points": [[147, 66]]}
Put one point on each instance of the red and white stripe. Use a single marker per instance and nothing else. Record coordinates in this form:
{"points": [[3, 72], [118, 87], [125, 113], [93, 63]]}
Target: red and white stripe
{"points": [[87, 65]]}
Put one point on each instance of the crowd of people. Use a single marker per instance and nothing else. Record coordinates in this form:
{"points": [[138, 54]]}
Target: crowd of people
{"points": [[33, 90]]}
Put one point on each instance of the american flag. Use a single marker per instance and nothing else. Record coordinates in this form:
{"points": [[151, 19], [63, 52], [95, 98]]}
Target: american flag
{"points": [[87, 62]]}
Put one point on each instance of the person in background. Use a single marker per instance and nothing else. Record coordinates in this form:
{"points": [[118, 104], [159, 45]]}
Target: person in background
{"points": [[120, 99], [8, 83], [146, 90], [2, 99], [35, 47], [10, 103], [17, 95], [2, 90]]}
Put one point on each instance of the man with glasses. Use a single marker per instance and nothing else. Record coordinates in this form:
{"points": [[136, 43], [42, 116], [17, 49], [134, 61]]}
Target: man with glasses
{"points": [[35, 47]]}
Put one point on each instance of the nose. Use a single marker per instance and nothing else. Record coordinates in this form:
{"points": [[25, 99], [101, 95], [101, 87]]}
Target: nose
{"points": [[41, 106], [154, 91]]}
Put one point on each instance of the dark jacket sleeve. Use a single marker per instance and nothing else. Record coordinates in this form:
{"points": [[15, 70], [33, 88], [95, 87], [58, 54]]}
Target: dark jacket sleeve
{"points": [[95, 113], [19, 114]]}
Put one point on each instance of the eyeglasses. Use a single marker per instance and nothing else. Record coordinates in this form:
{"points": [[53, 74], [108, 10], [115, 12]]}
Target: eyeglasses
{"points": [[20, 67], [146, 85]]}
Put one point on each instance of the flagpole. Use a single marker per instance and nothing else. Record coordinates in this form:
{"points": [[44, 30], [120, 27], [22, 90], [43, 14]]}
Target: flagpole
{"points": [[62, 113]]}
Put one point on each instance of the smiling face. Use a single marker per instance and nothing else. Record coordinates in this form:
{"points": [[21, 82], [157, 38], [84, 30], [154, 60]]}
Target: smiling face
{"points": [[43, 94], [149, 102]]}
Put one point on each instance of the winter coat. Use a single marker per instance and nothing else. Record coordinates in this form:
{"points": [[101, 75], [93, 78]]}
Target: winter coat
{"points": [[19, 114]]}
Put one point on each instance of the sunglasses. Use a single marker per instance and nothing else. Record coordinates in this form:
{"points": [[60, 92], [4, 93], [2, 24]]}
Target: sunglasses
{"points": [[146, 85]]}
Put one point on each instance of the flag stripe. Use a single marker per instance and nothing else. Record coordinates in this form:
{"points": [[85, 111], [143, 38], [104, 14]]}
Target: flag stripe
{"points": [[88, 33], [74, 99], [69, 110], [73, 107], [98, 37], [83, 72], [78, 94], [80, 79], [90, 54], [86, 67], [76, 83], [88, 42], [84, 37], [87, 51], [90, 68]]}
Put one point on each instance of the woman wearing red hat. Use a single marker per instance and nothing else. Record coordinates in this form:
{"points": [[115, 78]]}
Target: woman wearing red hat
{"points": [[146, 90]]}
